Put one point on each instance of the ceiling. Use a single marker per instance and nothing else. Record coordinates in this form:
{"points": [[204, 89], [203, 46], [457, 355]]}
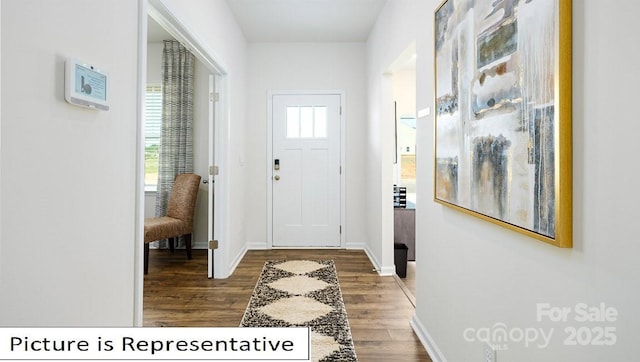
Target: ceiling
{"points": [[306, 20], [297, 20]]}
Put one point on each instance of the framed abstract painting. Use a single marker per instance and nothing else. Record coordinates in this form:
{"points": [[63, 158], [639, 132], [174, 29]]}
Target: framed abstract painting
{"points": [[503, 113]]}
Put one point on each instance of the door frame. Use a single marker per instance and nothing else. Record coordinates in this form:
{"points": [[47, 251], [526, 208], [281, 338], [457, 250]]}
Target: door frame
{"points": [[221, 122], [269, 159], [165, 17]]}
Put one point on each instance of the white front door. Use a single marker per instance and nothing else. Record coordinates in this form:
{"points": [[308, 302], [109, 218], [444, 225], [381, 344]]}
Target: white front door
{"points": [[305, 170]]}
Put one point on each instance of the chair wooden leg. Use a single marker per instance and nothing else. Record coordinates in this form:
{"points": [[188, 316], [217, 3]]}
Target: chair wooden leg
{"points": [[172, 245], [187, 244], [146, 258]]}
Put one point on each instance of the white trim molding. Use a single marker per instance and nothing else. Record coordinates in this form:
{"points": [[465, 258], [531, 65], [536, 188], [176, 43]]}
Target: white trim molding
{"points": [[427, 341], [234, 264], [138, 250], [384, 271]]}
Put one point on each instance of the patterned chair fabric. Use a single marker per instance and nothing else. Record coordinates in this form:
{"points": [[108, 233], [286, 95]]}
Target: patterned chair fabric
{"points": [[179, 219]]}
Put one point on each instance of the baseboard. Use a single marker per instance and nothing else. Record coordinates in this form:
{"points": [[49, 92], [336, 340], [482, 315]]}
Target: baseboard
{"points": [[355, 246], [382, 271], [387, 271], [371, 257], [428, 342], [257, 246], [202, 245], [236, 261], [194, 246]]}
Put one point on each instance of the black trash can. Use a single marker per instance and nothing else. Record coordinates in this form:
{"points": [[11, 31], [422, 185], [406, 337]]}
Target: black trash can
{"points": [[400, 259]]}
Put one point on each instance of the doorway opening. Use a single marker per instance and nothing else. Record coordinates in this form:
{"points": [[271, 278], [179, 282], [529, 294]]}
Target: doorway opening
{"points": [[403, 79], [211, 102]]}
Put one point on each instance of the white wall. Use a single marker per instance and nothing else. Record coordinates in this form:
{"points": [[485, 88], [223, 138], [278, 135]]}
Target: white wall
{"points": [[404, 92], [213, 24], [68, 197], [154, 62], [392, 35], [473, 274], [303, 66]]}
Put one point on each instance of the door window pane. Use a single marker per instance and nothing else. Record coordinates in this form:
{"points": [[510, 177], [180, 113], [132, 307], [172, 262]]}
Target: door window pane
{"points": [[306, 122], [293, 122]]}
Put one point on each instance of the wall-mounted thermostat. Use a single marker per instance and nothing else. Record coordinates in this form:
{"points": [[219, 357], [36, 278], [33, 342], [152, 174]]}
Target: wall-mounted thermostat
{"points": [[86, 85]]}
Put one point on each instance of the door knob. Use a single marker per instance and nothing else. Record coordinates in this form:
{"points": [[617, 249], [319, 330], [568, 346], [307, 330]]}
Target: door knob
{"points": [[276, 177], [205, 181]]}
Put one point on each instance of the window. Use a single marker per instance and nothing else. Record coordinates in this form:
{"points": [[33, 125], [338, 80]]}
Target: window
{"points": [[152, 129], [307, 122]]}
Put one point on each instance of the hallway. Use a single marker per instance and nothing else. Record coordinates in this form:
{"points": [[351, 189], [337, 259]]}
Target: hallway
{"points": [[178, 294]]}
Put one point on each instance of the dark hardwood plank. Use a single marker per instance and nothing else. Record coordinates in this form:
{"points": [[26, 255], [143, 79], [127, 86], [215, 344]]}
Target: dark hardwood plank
{"points": [[177, 293]]}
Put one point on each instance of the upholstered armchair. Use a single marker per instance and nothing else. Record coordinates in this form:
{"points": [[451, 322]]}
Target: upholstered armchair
{"points": [[179, 219]]}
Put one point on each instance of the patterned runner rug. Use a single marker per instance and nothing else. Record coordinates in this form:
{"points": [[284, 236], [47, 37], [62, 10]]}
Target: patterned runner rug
{"points": [[303, 293]]}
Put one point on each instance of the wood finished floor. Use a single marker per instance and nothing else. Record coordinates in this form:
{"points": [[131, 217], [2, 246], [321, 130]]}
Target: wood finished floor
{"points": [[177, 293], [408, 283]]}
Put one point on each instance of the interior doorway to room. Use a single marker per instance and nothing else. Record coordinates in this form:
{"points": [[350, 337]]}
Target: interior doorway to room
{"points": [[203, 133], [305, 170], [403, 77], [210, 127]]}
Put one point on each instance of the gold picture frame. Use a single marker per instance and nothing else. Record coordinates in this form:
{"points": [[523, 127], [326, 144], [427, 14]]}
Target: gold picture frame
{"points": [[503, 114]]}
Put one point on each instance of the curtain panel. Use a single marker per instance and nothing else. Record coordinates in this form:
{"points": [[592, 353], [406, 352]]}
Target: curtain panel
{"points": [[176, 138]]}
